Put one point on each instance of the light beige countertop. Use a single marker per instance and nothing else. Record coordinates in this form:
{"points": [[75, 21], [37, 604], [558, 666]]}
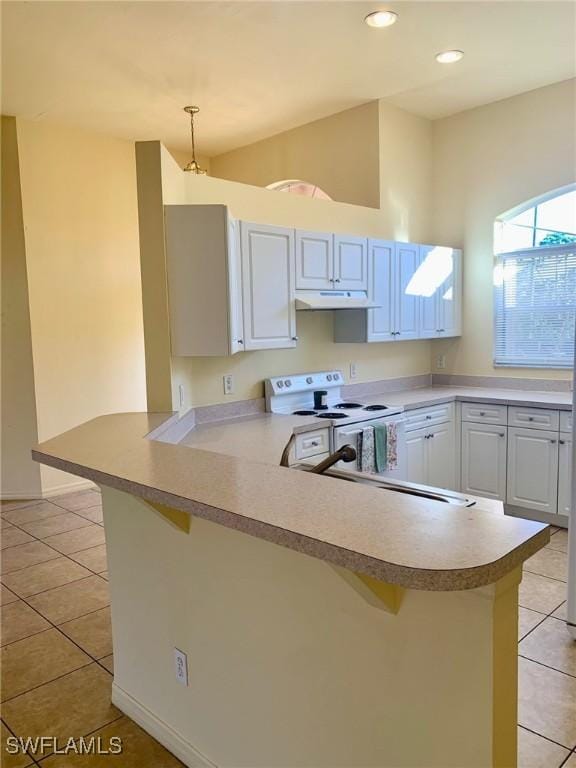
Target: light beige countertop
{"points": [[262, 436], [418, 398], [399, 539]]}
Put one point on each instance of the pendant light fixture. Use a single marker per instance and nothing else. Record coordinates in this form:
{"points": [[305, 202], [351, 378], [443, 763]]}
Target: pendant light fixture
{"points": [[193, 166]]}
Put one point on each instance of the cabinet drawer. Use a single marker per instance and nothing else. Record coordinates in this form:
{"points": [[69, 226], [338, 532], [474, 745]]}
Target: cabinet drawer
{"points": [[566, 418], [482, 413], [312, 443], [426, 417], [535, 418]]}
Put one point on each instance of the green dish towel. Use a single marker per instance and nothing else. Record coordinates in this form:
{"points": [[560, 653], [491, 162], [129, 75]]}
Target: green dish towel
{"points": [[381, 447]]}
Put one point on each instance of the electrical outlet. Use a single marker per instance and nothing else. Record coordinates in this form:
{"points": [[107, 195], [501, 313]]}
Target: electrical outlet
{"points": [[228, 381], [181, 394], [441, 362], [181, 666], [353, 371]]}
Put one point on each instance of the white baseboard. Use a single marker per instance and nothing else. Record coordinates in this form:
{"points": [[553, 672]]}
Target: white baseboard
{"points": [[20, 495], [54, 490], [74, 485], [160, 730]]}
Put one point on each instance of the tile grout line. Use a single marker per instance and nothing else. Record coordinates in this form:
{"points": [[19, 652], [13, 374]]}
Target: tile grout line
{"points": [[85, 735], [545, 616], [547, 738], [5, 724], [547, 666]]}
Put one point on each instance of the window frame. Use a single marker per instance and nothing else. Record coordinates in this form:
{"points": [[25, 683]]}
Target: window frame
{"points": [[498, 292]]}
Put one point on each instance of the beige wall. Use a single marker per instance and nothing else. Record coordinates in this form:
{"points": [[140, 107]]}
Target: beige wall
{"points": [[202, 377], [82, 255], [405, 173], [487, 161], [338, 153], [20, 475]]}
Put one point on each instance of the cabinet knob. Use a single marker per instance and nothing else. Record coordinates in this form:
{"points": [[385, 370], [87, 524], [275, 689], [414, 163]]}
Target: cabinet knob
{"points": [[337, 280], [240, 341], [294, 338], [501, 434], [428, 416], [553, 442], [530, 418], [482, 413], [562, 442]]}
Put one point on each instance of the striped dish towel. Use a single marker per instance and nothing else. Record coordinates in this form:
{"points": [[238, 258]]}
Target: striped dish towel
{"points": [[366, 453]]}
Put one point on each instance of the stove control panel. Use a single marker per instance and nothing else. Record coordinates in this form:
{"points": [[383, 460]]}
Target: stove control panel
{"points": [[303, 382]]}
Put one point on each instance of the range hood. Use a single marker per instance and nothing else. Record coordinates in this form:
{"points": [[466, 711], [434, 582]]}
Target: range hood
{"points": [[316, 300]]}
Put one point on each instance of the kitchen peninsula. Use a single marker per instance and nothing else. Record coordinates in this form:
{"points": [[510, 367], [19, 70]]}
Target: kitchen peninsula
{"points": [[325, 624]]}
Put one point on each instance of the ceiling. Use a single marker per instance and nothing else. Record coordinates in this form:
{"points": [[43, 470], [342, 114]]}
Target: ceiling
{"points": [[258, 68]]}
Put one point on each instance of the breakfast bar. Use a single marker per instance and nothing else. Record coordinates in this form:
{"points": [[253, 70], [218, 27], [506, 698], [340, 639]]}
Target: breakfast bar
{"points": [[323, 623]]}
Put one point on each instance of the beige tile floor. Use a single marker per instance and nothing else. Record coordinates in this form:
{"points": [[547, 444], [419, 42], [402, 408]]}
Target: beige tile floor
{"points": [[55, 611], [56, 637]]}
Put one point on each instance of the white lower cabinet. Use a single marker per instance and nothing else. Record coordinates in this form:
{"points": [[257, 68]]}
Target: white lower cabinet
{"points": [[442, 457], [483, 470], [431, 456], [564, 473], [417, 456], [533, 469]]}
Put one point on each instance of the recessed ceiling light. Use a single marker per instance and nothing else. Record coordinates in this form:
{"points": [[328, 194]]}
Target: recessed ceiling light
{"points": [[449, 57], [381, 18]]}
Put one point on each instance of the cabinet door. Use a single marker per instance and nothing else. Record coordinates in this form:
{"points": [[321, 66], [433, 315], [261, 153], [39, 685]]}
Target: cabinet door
{"points": [[350, 263], [235, 315], [314, 260], [533, 469], [268, 275], [484, 460], [450, 299], [423, 285], [417, 456], [565, 474], [407, 305], [380, 287], [441, 446]]}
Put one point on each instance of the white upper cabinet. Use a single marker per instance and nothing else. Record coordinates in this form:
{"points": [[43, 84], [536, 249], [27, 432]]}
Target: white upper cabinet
{"points": [[204, 288], [314, 260], [268, 280], [350, 263], [394, 283], [438, 282], [326, 262], [381, 321], [407, 322]]}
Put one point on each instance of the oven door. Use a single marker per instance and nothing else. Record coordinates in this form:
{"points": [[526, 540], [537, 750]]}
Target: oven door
{"points": [[348, 435]]}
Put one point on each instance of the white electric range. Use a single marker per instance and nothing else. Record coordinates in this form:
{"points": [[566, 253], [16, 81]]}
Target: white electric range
{"points": [[318, 396]]}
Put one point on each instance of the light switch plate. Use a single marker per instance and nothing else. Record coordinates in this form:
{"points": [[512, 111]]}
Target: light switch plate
{"points": [[353, 371]]}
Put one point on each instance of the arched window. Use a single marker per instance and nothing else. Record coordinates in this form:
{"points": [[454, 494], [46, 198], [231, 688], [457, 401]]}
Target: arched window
{"points": [[535, 283], [298, 187]]}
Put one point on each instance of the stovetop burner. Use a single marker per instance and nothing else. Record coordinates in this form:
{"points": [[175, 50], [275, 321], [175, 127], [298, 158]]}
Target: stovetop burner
{"points": [[348, 406], [304, 413], [331, 415], [376, 408]]}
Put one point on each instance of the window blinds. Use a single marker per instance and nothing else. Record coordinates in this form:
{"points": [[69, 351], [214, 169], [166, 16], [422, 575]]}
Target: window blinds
{"points": [[535, 295]]}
